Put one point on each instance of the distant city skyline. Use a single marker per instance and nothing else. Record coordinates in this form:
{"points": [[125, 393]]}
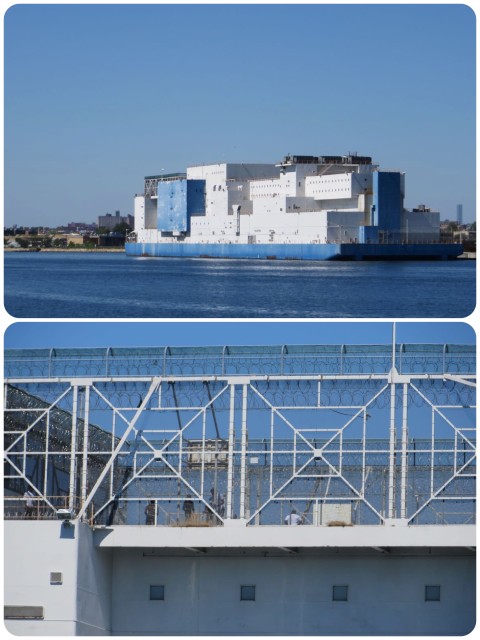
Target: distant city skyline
{"points": [[133, 90]]}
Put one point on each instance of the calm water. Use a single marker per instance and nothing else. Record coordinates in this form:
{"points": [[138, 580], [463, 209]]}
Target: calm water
{"points": [[62, 285]]}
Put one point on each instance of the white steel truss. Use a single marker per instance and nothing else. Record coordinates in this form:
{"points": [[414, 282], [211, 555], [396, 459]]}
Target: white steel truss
{"points": [[199, 450]]}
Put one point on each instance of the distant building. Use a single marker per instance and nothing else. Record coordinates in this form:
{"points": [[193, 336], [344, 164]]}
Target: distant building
{"points": [[460, 213], [81, 226], [110, 221]]}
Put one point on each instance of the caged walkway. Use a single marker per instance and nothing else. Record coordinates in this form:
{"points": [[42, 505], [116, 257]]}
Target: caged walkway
{"points": [[202, 438]]}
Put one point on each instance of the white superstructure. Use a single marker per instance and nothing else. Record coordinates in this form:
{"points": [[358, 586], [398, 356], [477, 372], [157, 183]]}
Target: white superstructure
{"points": [[302, 200]]}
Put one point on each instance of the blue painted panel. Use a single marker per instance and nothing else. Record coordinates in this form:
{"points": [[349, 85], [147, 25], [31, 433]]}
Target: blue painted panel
{"points": [[387, 200], [367, 234], [297, 252], [195, 198], [172, 206], [254, 251]]}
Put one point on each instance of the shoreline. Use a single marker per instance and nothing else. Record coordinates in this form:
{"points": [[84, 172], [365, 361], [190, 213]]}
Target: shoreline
{"points": [[54, 250]]}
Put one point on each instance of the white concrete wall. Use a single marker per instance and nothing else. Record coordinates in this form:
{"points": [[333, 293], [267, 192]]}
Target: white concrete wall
{"points": [[293, 595], [267, 188], [151, 215], [343, 226], [94, 586], [32, 551], [251, 170], [139, 212], [79, 606], [301, 203], [338, 186], [216, 201], [329, 187], [107, 589]]}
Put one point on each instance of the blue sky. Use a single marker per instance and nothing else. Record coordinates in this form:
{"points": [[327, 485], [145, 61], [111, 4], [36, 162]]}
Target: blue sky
{"points": [[98, 96], [30, 335]]}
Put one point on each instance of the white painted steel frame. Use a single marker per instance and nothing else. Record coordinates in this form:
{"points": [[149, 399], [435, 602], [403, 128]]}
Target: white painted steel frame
{"points": [[86, 386]]}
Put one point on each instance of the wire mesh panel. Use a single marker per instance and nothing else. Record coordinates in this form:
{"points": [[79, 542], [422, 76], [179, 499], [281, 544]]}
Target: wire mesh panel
{"points": [[332, 436]]}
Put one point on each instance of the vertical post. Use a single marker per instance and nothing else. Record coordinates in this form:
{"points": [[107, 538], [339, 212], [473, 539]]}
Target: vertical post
{"points": [[50, 363], [455, 452], [202, 472], [432, 453], [112, 449], [394, 339], [165, 361], [403, 491], [243, 459], [294, 466], [223, 360], [73, 450], [391, 472], [364, 447], [86, 420], [47, 440], [259, 490], [272, 422], [231, 442], [340, 456]]}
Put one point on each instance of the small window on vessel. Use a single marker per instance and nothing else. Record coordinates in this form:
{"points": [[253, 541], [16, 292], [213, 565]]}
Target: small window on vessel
{"points": [[432, 593], [247, 592], [157, 592], [340, 593]]}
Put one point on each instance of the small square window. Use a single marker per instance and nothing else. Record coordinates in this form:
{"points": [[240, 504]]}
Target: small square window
{"points": [[340, 593], [157, 592], [56, 577], [247, 592], [432, 593]]}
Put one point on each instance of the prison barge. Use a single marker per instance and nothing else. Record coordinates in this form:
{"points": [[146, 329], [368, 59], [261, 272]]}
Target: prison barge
{"points": [[304, 208]]}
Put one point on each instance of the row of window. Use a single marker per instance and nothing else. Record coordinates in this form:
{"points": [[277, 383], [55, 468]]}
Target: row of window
{"points": [[339, 592], [328, 189], [345, 178]]}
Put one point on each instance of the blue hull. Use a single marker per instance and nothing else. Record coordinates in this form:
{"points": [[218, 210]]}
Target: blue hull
{"points": [[297, 251]]}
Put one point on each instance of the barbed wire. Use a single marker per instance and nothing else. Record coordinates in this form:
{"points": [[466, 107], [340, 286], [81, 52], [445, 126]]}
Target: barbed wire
{"points": [[304, 360]]}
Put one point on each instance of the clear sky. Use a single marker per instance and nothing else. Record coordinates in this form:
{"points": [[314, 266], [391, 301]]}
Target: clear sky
{"points": [[32, 335], [98, 96]]}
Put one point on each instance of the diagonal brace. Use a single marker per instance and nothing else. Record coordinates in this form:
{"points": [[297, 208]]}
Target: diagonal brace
{"points": [[153, 387]]}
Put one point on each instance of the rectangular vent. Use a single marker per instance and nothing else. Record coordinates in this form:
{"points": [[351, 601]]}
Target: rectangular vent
{"points": [[56, 578], [20, 612]]}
